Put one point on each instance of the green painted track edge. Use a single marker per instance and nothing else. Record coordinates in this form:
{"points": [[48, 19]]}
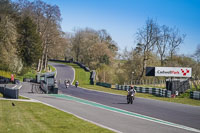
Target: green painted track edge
{"points": [[94, 104]]}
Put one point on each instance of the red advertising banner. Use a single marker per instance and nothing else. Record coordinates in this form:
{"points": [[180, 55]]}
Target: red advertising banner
{"points": [[173, 71]]}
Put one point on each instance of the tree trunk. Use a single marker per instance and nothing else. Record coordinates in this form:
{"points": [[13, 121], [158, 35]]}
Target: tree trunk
{"points": [[161, 60], [77, 55], [46, 59], [42, 60], [39, 62], [143, 68], [171, 54]]}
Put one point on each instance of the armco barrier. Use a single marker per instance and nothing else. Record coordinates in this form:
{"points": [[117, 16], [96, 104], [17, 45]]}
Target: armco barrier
{"points": [[137, 89], [4, 80], [119, 87], [154, 91], [116, 86], [126, 87], [195, 95], [123, 87], [104, 84], [150, 90]]}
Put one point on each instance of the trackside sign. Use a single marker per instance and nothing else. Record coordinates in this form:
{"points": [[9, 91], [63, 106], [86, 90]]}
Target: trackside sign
{"points": [[173, 71]]}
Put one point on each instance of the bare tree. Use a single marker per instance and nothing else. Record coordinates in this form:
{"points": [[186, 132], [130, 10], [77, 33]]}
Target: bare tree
{"points": [[60, 47], [147, 38], [175, 40], [196, 66], [93, 48], [76, 42], [197, 54], [163, 43]]}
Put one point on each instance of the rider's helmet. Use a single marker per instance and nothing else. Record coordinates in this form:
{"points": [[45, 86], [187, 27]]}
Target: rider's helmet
{"points": [[131, 86], [77, 83]]}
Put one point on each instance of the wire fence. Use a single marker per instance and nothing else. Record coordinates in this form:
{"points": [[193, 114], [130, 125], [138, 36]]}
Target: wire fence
{"points": [[36, 88], [150, 83], [194, 84]]}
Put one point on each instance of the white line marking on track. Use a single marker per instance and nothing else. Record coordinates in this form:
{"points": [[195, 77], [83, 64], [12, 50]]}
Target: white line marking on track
{"points": [[124, 112], [74, 74], [14, 86], [20, 87], [79, 116]]}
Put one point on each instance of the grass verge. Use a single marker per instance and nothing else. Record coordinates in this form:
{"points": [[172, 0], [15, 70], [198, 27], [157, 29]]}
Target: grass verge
{"points": [[38, 118], [5, 74], [53, 69], [30, 74], [83, 78], [20, 97]]}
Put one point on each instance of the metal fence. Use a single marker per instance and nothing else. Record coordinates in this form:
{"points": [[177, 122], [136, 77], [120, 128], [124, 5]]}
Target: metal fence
{"points": [[151, 82], [195, 84]]}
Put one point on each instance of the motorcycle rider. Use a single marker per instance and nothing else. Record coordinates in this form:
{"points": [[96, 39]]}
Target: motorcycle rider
{"points": [[76, 84], [131, 91], [67, 83]]}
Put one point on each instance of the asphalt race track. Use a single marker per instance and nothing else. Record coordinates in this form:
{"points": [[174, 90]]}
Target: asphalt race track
{"points": [[111, 111]]}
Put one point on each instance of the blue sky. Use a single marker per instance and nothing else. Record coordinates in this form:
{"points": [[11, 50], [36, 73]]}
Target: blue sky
{"points": [[122, 18]]}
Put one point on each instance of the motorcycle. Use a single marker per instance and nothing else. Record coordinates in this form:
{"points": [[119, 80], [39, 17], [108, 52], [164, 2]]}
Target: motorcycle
{"points": [[67, 85], [130, 98], [76, 84]]}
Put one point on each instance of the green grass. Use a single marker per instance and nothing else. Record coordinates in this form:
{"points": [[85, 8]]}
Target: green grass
{"points": [[38, 118], [5, 74], [31, 74], [194, 89], [53, 69], [83, 78], [21, 97]]}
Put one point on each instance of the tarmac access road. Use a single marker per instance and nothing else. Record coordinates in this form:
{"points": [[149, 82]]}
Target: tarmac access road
{"points": [[144, 115]]}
